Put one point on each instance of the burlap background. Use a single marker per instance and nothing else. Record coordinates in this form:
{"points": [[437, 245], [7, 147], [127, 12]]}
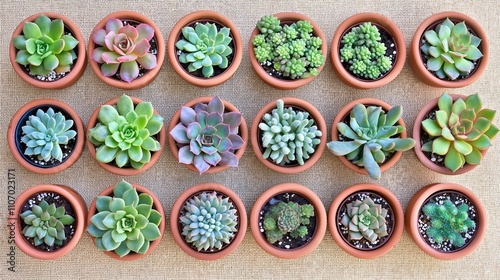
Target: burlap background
{"points": [[327, 178]]}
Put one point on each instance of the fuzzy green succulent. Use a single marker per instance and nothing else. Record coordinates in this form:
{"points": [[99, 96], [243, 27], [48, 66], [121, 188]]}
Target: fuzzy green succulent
{"points": [[125, 222], [365, 219], [370, 137], [44, 46], [287, 218], [45, 223], [460, 130], [452, 50]]}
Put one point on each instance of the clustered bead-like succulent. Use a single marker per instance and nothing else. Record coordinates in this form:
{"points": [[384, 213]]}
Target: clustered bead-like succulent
{"points": [[460, 130], [209, 221], [45, 223], [44, 46], [365, 219], [45, 132], [205, 47], [287, 218]]}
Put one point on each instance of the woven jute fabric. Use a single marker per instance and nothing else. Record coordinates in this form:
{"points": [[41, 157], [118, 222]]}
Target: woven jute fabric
{"points": [[328, 177]]}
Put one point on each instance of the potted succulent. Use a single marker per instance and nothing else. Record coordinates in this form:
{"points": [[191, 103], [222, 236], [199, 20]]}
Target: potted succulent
{"points": [[47, 50], [208, 135], [369, 136], [46, 136], [126, 50], [288, 221], [449, 50], [453, 133], [208, 221], [368, 51], [447, 221], [126, 135], [366, 220], [205, 48], [288, 135], [126, 221], [50, 221], [287, 50]]}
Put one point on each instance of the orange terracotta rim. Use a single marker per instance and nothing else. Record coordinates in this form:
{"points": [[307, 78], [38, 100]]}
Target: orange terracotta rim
{"points": [[319, 211], [176, 231], [346, 111], [391, 28], [79, 207], [156, 204], [205, 15], [78, 67], [176, 118], [149, 76], [315, 115], [124, 171], [413, 210], [78, 126], [398, 220], [279, 83], [415, 58]]}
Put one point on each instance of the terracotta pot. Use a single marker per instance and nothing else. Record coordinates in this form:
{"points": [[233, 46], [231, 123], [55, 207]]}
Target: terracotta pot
{"points": [[320, 216], [204, 16], [79, 64], [176, 230], [150, 75], [79, 207], [415, 58], [19, 119], [124, 171], [286, 17], [256, 142], [345, 112], [413, 212], [382, 22], [398, 221], [176, 118]]}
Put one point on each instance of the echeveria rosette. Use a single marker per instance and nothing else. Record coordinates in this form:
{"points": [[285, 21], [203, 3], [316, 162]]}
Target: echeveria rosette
{"points": [[125, 47], [44, 46], [208, 136], [125, 222], [365, 219]]}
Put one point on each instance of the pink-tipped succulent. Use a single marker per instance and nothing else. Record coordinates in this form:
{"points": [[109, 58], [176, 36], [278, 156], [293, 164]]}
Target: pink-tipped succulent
{"points": [[124, 47]]}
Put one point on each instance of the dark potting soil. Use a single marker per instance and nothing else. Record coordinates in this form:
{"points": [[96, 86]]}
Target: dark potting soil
{"points": [[457, 199], [59, 200], [364, 244], [287, 242]]}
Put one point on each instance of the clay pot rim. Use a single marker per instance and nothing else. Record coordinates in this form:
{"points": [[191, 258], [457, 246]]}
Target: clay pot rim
{"points": [[79, 207], [78, 124], [124, 171], [287, 84], [343, 113], [174, 225], [157, 205], [313, 112], [237, 51], [78, 67], [320, 214], [391, 28], [149, 76], [243, 132], [398, 220]]}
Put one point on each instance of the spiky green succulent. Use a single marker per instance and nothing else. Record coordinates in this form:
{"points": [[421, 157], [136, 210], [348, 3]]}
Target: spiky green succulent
{"points": [[45, 132], [45, 223], [44, 46], [287, 218], [460, 130], [370, 137], [452, 50], [125, 222], [124, 133], [365, 219]]}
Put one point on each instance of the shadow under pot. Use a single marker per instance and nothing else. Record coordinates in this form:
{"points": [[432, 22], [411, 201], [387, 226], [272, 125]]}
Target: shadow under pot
{"points": [[46, 136]]}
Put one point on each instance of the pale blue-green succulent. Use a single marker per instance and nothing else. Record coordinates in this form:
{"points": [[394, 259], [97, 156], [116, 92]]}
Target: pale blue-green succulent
{"points": [[365, 219]]}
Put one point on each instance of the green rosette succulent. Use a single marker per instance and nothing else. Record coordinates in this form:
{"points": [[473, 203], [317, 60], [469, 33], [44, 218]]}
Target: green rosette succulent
{"points": [[287, 218], [365, 219]]}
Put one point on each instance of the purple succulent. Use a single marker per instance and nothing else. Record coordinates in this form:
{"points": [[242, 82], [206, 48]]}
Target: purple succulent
{"points": [[208, 136], [125, 47]]}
